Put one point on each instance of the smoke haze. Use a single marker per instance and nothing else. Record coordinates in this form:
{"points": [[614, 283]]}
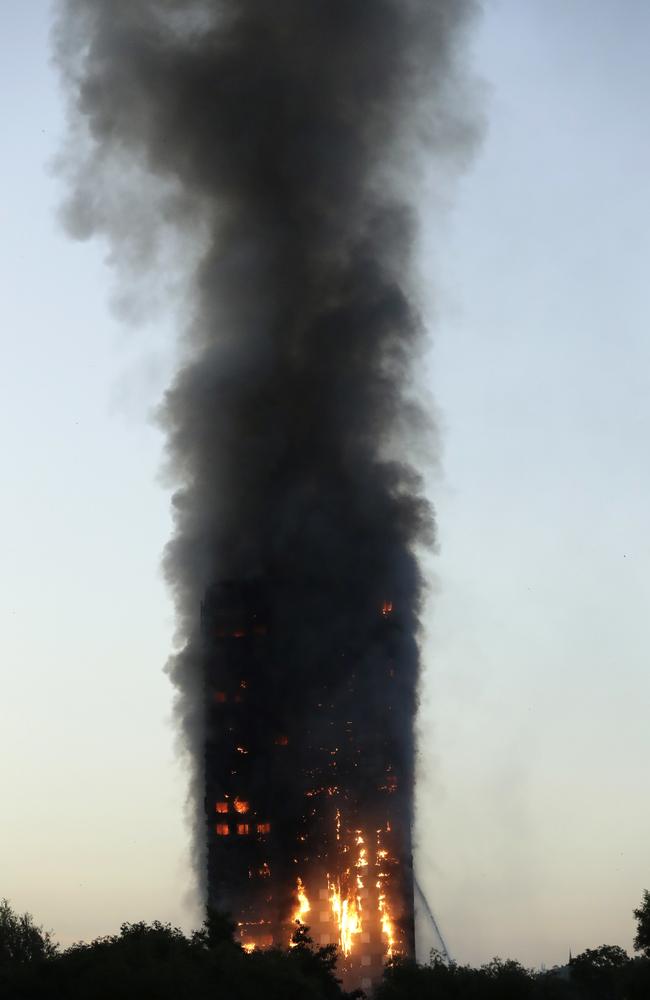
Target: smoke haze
{"points": [[281, 143]]}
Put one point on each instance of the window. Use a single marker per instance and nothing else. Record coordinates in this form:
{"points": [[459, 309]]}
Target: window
{"points": [[222, 829], [220, 697], [241, 806], [243, 829], [221, 807], [263, 827], [281, 741]]}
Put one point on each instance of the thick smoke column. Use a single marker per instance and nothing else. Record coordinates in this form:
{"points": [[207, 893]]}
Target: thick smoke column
{"points": [[282, 137]]}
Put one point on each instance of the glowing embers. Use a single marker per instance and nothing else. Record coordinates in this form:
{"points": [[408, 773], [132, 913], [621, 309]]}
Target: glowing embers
{"points": [[362, 859], [232, 632], [255, 934], [241, 806], [263, 872], [323, 790], [222, 829], [390, 785], [387, 608]]}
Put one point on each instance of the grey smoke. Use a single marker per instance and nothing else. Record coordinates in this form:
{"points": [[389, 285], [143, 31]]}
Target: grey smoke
{"points": [[283, 141]]}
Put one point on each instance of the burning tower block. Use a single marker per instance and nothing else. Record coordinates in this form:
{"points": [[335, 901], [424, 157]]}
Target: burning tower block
{"points": [[308, 807], [283, 143]]}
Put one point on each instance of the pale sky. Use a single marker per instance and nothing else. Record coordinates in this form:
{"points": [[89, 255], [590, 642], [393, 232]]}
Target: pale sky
{"points": [[534, 818]]}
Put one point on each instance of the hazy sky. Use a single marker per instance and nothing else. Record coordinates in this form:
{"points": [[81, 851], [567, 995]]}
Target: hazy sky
{"points": [[534, 818]]}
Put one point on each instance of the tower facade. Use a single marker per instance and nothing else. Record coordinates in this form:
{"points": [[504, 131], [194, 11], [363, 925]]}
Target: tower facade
{"points": [[308, 805]]}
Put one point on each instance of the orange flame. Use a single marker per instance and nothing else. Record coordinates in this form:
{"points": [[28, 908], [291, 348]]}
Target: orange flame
{"points": [[386, 922], [303, 907], [347, 913]]}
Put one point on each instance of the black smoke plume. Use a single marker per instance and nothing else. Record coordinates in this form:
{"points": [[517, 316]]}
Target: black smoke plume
{"points": [[283, 141]]}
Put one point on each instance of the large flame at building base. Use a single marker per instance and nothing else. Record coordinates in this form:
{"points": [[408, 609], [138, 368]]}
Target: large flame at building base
{"points": [[352, 908]]}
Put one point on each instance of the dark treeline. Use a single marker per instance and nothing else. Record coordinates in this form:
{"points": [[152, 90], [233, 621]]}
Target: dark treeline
{"points": [[159, 962]]}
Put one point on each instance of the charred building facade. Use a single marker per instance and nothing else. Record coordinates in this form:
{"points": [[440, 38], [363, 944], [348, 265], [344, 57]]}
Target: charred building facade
{"points": [[307, 805]]}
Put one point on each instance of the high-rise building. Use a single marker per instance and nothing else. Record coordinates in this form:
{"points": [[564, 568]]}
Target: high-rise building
{"points": [[308, 811]]}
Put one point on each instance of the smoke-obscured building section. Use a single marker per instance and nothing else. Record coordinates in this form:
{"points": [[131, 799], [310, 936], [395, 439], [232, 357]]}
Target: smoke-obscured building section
{"points": [[309, 812]]}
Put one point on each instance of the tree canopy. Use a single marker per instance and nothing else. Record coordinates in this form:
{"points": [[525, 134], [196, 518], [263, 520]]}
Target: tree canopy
{"points": [[642, 917], [157, 961], [21, 941]]}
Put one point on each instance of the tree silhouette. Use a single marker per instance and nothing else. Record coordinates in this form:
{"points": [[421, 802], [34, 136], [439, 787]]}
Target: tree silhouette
{"points": [[21, 941], [642, 916], [597, 971], [159, 962]]}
